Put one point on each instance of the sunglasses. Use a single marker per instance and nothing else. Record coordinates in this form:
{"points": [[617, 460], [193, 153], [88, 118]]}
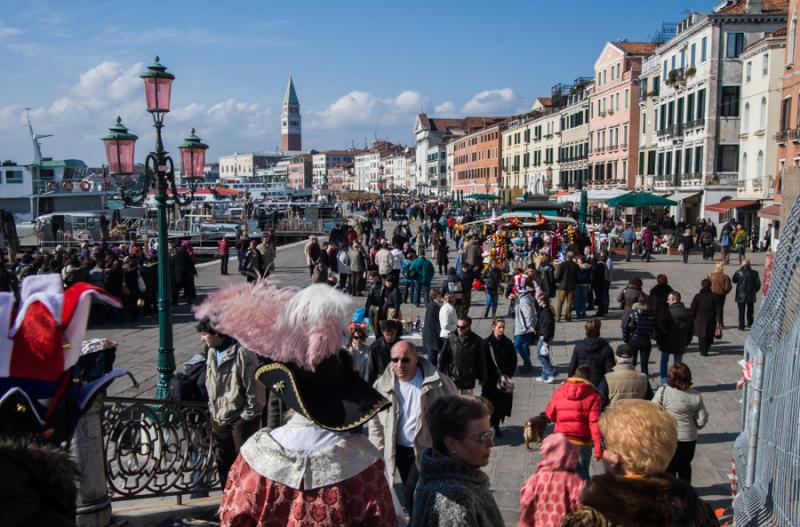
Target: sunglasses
{"points": [[463, 327], [484, 439], [404, 360]]}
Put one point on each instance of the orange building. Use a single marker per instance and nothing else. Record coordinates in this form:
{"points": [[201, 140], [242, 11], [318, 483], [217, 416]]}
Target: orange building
{"points": [[476, 161]]}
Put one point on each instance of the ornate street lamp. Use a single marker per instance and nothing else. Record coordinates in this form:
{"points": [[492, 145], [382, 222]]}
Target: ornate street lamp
{"points": [[159, 173]]}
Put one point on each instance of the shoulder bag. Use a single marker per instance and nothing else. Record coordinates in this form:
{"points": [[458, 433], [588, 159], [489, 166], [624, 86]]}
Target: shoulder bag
{"points": [[505, 384]]}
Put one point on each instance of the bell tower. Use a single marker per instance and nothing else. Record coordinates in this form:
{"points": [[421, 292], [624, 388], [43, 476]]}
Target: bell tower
{"points": [[290, 119]]}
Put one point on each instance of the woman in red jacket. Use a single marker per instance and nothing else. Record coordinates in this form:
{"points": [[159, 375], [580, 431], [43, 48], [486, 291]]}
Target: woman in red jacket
{"points": [[575, 409]]}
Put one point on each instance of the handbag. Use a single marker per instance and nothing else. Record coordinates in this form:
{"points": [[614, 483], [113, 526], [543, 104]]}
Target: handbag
{"points": [[142, 286], [125, 289], [544, 351], [505, 384]]}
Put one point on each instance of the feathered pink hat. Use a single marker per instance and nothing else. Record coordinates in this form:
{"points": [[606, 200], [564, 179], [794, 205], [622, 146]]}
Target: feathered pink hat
{"points": [[301, 326]]}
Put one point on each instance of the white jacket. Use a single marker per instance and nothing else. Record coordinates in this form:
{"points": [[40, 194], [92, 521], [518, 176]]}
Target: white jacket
{"points": [[448, 319]]}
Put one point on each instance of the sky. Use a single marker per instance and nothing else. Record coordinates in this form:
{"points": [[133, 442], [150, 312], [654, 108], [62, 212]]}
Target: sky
{"points": [[361, 69]]}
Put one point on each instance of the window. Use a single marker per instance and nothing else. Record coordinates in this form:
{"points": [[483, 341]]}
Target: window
{"points": [[734, 45], [728, 158], [762, 114], [678, 161], [729, 104], [651, 163], [746, 118], [690, 107], [668, 164], [703, 49], [701, 104], [792, 40], [13, 176], [748, 70], [604, 77], [673, 62], [625, 134], [663, 121], [679, 118], [656, 85], [617, 97], [626, 98], [786, 112], [687, 161], [760, 165], [692, 53], [671, 113], [664, 70], [661, 163], [764, 64], [698, 160], [743, 168]]}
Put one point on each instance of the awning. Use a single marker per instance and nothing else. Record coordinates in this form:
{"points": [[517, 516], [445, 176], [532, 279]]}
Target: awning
{"points": [[727, 205], [681, 196], [773, 212]]}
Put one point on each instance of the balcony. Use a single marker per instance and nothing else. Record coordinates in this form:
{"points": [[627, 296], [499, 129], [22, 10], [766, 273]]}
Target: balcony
{"points": [[794, 135], [601, 113], [758, 185], [515, 168], [697, 123], [624, 146], [694, 179], [741, 186], [676, 131], [663, 132], [781, 137], [548, 136]]}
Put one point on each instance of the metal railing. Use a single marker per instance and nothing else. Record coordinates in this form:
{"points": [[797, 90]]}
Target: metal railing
{"points": [[157, 448], [767, 452]]}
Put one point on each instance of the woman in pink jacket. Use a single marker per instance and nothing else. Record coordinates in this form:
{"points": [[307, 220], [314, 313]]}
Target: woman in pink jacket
{"points": [[555, 489]]}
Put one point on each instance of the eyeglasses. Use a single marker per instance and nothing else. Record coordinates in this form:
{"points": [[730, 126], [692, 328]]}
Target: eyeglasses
{"points": [[404, 360], [462, 327], [484, 439]]}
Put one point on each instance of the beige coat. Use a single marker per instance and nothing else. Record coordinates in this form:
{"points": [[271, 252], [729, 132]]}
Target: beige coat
{"points": [[624, 382], [233, 391], [383, 427]]}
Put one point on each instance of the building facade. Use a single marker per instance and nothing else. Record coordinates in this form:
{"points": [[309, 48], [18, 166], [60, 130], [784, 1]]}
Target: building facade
{"points": [[301, 175], [366, 166], [477, 159], [697, 104], [517, 170], [546, 139], [235, 167], [573, 153], [762, 82], [291, 129], [787, 183], [322, 162], [614, 114]]}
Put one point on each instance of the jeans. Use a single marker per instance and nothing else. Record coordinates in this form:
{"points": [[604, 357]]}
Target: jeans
{"points": [[433, 354], [421, 291], [665, 364], [643, 347], [547, 367], [685, 255], [406, 463], [628, 250], [601, 298], [681, 464], [745, 307], [522, 345], [491, 302], [581, 297], [408, 291], [584, 462]]}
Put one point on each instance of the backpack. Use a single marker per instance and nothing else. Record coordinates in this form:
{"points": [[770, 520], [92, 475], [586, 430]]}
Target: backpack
{"points": [[190, 385]]}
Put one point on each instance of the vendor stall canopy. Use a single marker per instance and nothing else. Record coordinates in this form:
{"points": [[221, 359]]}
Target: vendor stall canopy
{"points": [[640, 199], [481, 196]]}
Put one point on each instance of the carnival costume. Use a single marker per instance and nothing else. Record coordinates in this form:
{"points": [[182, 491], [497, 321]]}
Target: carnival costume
{"points": [[48, 379], [313, 470]]}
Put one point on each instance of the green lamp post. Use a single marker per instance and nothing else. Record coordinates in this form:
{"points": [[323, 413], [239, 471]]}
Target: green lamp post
{"points": [[159, 173]]}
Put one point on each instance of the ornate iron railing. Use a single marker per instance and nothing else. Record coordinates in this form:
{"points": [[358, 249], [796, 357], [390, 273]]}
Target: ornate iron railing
{"points": [[157, 448]]}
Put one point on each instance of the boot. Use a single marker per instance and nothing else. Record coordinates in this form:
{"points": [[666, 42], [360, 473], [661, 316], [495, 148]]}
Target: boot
{"points": [[486, 314]]}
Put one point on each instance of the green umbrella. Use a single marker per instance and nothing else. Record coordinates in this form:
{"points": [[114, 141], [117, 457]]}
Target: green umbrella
{"points": [[640, 199], [481, 196]]}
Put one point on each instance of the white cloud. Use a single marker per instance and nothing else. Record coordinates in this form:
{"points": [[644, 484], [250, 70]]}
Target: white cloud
{"points": [[7, 32], [447, 107], [486, 102], [362, 109], [85, 110]]}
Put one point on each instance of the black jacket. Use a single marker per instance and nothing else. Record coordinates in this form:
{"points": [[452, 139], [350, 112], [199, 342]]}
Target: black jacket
{"points": [[567, 276], [639, 324], [391, 299], [506, 359], [462, 359], [546, 324], [680, 329], [374, 296], [431, 329], [747, 285], [703, 309], [596, 353], [379, 358], [491, 279]]}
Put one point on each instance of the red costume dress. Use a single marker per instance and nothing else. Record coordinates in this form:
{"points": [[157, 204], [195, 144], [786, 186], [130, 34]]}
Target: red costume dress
{"points": [[334, 479]]}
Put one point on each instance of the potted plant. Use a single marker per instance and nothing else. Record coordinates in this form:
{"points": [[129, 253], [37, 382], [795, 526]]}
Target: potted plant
{"points": [[690, 71]]}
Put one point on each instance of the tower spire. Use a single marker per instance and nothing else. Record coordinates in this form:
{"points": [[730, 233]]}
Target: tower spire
{"points": [[291, 130]]}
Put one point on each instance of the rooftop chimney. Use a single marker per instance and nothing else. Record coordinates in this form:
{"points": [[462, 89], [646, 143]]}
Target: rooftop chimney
{"points": [[754, 6]]}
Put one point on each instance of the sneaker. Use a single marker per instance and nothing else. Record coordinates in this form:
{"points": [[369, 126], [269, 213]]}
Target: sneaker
{"points": [[540, 379], [550, 380]]}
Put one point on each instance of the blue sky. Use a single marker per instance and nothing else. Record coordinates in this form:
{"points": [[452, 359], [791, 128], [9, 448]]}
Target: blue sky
{"points": [[360, 68]]}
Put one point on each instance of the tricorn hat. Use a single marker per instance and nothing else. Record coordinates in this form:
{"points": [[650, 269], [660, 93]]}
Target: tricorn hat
{"points": [[301, 334]]}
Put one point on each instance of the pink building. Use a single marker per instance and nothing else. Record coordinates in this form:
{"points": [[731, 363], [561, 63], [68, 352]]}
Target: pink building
{"points": [[614, 115], [300, 172]]}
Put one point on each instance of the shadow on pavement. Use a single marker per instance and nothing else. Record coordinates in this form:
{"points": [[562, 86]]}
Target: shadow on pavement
{"points": [[717, 437], [512, 436], [716, 388]]}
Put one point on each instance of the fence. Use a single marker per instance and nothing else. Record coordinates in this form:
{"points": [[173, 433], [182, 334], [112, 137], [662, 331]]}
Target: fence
{"points": [[157, 448], [767, 452]]}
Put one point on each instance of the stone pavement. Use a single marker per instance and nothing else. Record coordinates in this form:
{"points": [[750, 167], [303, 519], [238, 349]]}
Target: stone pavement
{"points": [[715, 376]]}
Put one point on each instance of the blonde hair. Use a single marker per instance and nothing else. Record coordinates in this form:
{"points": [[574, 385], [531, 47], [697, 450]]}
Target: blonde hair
{"points": [[642, 434], [720, 267], [449, 298]]}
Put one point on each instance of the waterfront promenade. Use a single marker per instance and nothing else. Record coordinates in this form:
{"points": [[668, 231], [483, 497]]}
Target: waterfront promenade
{"points": [[715, 376]]}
